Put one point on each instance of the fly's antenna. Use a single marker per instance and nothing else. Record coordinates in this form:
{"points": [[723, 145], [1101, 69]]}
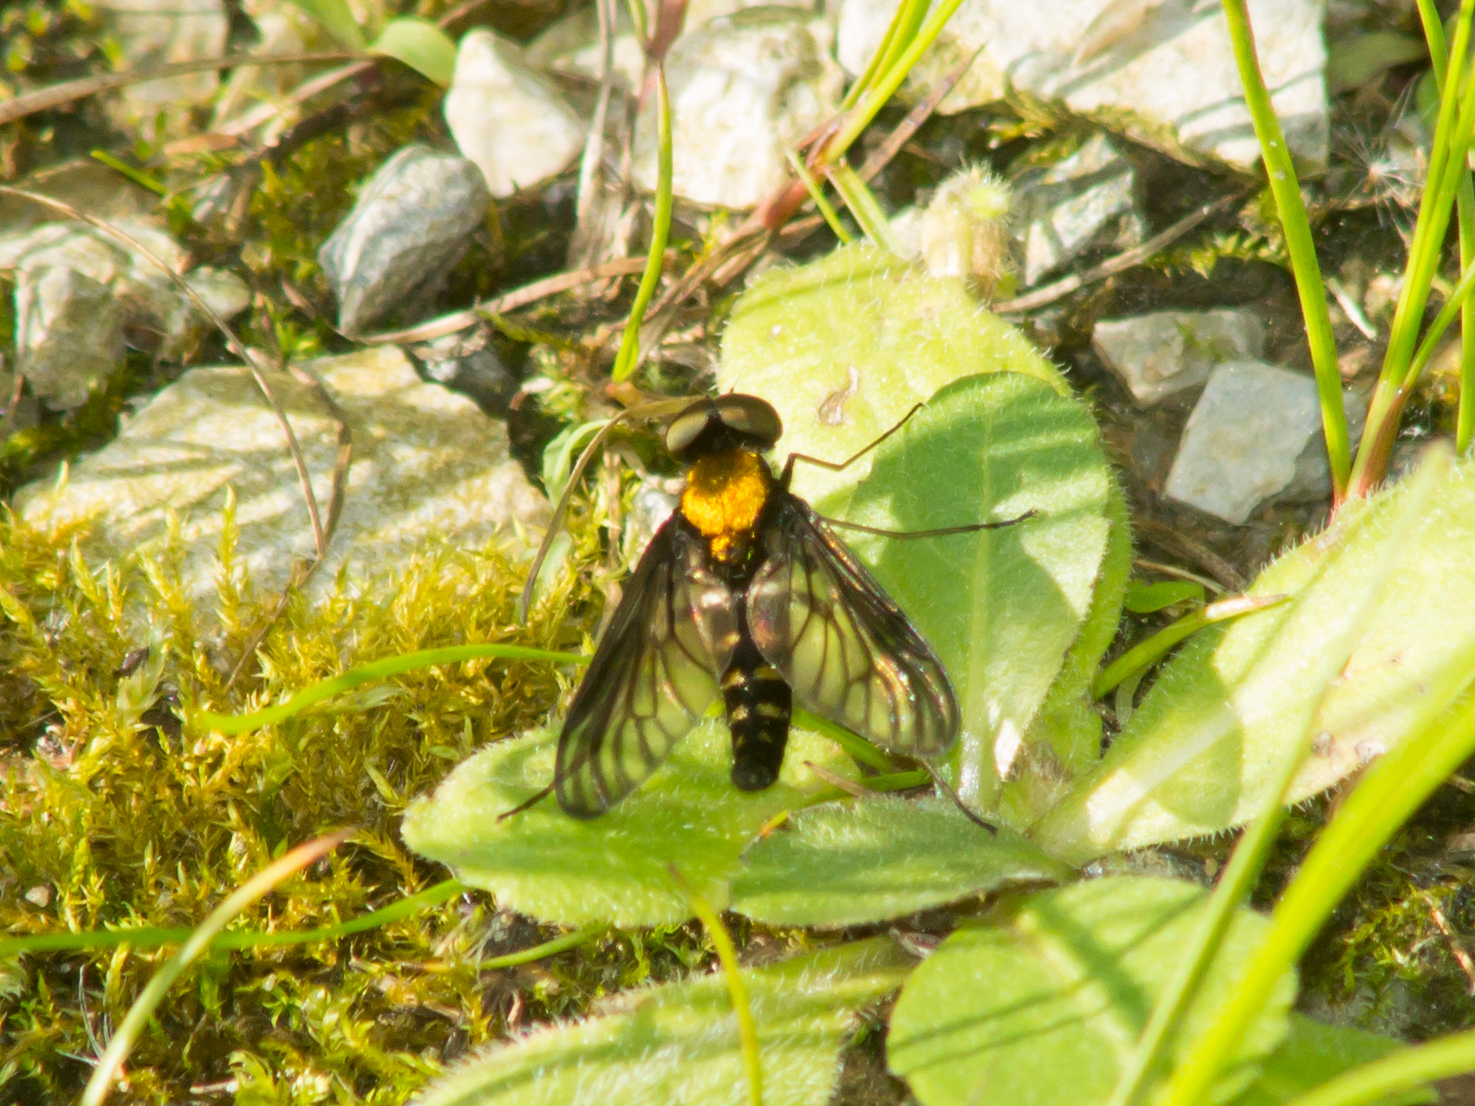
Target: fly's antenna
{"points": [[947, 789], [525, 601]]}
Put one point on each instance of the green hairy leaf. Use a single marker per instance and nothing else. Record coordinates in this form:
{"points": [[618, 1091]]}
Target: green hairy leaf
{"points": [[847, 863], [614, 868], [679, 1043], [1042, 1007], [1202, 746]]}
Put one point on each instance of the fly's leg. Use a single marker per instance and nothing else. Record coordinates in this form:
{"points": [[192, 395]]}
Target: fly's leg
{"points": [[837, 466], [942, 531]]}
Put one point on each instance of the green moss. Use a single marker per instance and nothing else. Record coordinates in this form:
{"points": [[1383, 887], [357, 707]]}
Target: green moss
{"points": [[115, 815]]}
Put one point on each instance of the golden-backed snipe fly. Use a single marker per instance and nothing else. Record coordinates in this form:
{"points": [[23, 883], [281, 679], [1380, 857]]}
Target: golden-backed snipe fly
{"points": [[747, 592]]}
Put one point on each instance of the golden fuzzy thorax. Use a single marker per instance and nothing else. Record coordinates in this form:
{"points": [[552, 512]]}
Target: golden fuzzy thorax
{"points": [[724, 496]]}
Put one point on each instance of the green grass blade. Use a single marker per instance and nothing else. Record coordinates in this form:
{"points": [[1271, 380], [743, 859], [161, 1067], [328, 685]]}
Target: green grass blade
{"points": [[1465, 217], [1299, 244], [865, 207], [1388, 794], [883, 50], [629, 355], [111, 1061], [817, 195], [1443, 182], [742, 1007], [1249, 854], [856, 746], [547, 948], [379, 670], [1145, 654], [1405, 1070], [151, 937], [885, 85]]}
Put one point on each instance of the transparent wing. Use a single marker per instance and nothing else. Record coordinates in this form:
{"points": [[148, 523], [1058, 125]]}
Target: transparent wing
{"points": [[820, 618], [652, 676]]}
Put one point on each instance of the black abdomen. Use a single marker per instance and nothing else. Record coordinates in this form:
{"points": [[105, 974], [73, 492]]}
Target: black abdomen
{"points": [[759, 705]]}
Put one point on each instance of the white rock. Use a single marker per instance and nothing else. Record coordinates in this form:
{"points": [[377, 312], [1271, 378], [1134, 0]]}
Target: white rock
{"points": [[68, 335], [410, 225], [1251, 438], [1165, 352], [1083, 202], [151, 33], [508, 118], [571, 46], [63, 245], [744, 88], [427, 467], [1164, 74]]}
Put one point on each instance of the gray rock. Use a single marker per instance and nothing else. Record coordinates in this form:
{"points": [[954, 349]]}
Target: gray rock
{"points": [[1165, 352], [744, 88], [508, 118], [410, 226], [151, 33], [1253, 437], [429, 470], [1083, 202], [1163, 73], [72, 337], [173, 316], [68, 333]]}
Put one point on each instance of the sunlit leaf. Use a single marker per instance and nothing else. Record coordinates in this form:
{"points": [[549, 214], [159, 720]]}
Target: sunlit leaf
{"points": [[337, 19], [1314, 1053], [679, 1043], [844, 348], [1001, 607], [614, 868], [1042, 1007], [1198, 752], [861, 861], [421, 45]]}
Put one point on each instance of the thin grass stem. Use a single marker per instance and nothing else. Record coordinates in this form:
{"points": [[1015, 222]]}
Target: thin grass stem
{"points": [[865, 207], [150, 937], [1465, 218], [817, 195], [546, 949], [629, 355], [111, 1061], [1299, 244], [883, 49], [856, 746], [741, 1005], [889, 80], [1145, 654], [378, 670]]}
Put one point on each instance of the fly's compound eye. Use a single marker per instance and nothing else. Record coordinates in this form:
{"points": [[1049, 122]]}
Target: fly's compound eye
{"points": [[686, 427], [750, 416]]}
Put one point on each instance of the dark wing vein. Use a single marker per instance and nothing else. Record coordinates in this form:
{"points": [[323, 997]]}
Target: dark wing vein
{"points": [[651, 678], [819, 617]]}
